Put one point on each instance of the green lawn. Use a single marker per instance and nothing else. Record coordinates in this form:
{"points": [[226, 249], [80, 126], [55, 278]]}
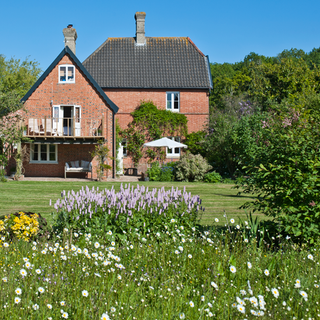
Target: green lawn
{"points": [[35, 196]]}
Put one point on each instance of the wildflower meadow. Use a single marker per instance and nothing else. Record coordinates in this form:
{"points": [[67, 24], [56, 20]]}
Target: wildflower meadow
{"points": [[141, 254]]}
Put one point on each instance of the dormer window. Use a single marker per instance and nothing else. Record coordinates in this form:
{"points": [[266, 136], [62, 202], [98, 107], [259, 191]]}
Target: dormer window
{"points": [[66, 74]]}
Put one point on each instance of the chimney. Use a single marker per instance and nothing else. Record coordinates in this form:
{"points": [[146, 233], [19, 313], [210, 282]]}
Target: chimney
{"points": [[70, 37], [140, 32]]}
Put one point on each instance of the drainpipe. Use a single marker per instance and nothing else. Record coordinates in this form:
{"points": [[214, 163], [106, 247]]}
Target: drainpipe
{"points": [[113, 147]]}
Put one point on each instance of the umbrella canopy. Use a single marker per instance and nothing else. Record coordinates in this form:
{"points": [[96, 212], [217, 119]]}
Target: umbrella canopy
{"points": [[165, 142]]}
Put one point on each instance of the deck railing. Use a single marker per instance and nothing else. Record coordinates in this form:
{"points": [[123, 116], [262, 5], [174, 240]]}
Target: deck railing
{"points": [[64, 127]]}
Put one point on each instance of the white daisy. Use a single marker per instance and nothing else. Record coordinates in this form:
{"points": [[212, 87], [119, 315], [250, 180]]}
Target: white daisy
{"points": [[232, 220], [214, 285], [65, 315], [17, 300], [38, 271], [191, 304], [275, 292], [297, 284], [249, 265], [49, 306], [35, 306], [18, 291], [23, 272], [241, 308], [85, 293], [266, 272], [105, 315], [41, 290], [233, 269], [304, 294], [310, 256]]}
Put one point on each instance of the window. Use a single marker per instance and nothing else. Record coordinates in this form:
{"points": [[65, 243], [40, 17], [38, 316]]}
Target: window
{"points": [[174, 152], [66, 74], [44, 153], [124, 147], [173, 101]]}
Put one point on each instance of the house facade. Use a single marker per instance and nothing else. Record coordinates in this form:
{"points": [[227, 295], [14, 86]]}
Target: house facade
{"points": [[67, 116], [74, 105], [171, 72]]}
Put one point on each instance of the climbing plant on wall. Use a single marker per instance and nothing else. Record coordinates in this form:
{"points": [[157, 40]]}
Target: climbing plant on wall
{"points": [[150, 123]]}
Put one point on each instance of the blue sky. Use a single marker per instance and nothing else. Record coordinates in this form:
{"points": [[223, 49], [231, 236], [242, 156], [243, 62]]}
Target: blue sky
{"points": [[225, 30]]}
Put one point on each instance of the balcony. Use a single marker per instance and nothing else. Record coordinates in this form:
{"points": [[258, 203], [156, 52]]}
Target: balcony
{"points": [[63, 128]]}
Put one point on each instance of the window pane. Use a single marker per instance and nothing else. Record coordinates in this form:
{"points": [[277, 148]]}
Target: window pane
{"points": [[177, 150], [52, 156], [169, 103], [176, 101], [62, 73], [70, 73], [169, 150], [43, 152], [34, 152]]}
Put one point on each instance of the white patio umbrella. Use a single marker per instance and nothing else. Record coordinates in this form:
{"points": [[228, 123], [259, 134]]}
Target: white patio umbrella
{"points": [[165, 142]]}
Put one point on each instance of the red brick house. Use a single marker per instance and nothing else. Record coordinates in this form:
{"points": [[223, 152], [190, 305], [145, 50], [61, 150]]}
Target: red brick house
{"points": [[67, 114], [74, 104], [172, 72]]}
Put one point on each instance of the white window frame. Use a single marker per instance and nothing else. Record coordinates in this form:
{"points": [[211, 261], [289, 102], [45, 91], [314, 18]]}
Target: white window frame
{"points": [[32, 145], [172, 93], [73, 80], [174, 153]]}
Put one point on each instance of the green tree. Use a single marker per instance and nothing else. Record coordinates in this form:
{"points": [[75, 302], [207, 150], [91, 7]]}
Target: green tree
{"points": [[219, 140], [17, 75], [289, 79]]}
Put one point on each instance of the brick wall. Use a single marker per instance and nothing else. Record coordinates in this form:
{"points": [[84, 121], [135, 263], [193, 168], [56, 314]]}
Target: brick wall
{"points": [[51, 92], [193, 103]]}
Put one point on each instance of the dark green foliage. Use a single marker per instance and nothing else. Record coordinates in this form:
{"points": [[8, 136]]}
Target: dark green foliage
{"points": [[161, 173], [150, 123], [196, 142], [282, 167], [219, 141], [212, 177]]}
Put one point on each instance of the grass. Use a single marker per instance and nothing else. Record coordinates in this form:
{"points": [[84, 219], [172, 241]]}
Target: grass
{"points": [[34, 196], [164, 270], [175, 275]]}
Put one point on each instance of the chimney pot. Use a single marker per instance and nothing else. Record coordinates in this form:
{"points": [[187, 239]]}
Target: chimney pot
{"points": [[140, 28], [70, 37]]}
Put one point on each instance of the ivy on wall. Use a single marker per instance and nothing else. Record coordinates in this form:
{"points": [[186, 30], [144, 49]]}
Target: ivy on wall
{"points": [[150, 123]]}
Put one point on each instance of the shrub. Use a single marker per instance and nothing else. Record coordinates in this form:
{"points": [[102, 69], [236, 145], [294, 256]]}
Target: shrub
{"points": [[164, 173], [129, 209], [212, 177], [191, 167], [154, 172], [22, 225], [282, 167]]}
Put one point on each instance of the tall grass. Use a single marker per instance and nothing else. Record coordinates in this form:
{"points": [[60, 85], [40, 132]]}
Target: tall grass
{"points": [[166, 276]]}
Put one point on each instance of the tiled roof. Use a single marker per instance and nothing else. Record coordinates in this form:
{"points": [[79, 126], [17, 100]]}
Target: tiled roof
{"points": [[161, 63]]}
